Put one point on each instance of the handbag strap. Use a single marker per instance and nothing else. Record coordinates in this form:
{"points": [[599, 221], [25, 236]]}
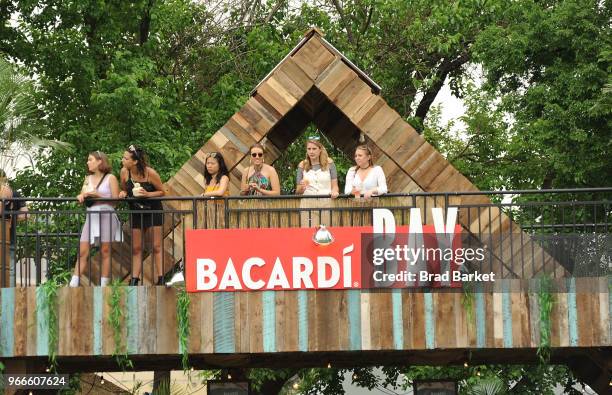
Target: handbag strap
{"points": [[100, 182]]}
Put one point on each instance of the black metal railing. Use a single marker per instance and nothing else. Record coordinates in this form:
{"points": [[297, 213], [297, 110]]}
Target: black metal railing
{"points": [[561, 232]]}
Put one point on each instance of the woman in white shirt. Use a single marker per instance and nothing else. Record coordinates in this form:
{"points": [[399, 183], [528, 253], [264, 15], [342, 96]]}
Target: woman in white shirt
{"points": [[317, 175], [365, 179]]}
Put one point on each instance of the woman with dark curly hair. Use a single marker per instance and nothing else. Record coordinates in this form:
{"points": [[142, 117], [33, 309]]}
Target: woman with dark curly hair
{"points": [[138, 180]]}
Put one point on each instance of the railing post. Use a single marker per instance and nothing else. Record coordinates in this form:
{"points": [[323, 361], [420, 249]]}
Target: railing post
{"points": [[194, 208], [37, 259]]}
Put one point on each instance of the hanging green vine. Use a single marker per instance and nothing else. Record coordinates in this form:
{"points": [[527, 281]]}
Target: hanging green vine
{"points": [[48, 296], [182, 311], [467, 300], [545, 302], [115, 320]]}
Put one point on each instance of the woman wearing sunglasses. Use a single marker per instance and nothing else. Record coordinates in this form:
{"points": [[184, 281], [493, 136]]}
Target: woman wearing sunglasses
{"points": [[216, 176], [142, 182], [259, 178]]}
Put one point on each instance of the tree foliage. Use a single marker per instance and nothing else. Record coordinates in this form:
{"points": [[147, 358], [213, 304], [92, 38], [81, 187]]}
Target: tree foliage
{"points": [[166, 74]]}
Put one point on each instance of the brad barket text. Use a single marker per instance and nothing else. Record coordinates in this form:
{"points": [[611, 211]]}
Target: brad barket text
{"points": [[425, 276]]}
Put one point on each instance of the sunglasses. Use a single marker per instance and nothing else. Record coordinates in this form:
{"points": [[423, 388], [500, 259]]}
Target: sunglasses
{"points": [[314, 138], [256, 154], [212, 155]]}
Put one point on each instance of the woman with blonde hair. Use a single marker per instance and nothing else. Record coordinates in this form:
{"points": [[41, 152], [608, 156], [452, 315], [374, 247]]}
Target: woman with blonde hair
{"points": [[317, 174], [102, 226], [365, 179]]}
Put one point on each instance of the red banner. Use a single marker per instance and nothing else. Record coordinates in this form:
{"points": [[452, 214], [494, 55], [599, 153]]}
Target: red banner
{"points": [[288, 259], [272, 259]]}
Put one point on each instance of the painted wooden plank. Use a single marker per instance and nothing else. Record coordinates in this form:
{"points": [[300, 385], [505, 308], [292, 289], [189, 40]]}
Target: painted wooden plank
{"points": [[354, 318], [97, 320], [66, 326], [604, 313], [131, 321], [366, 341], [461, 324], [20, 322], [108, 343], [381, 320], [42, 328], [398, 322], [291, 321], [223, 322], [408, 319], [255, 322], [31, 327], [269, 321], [207, 331], [147, 319], [83, 320], [343, 320], [241, 329], [517, 319], [430, 330], [584, 316], [572, 314], [498, 320], [418, 327], [489, 313], [166, 321], [302, 320], [507, 316], [444, 319], [7, 340], [480, 314], [194, 345]]}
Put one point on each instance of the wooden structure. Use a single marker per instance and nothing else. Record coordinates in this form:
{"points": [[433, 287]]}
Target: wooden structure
{"points": [[312, 328], [316, 83]]}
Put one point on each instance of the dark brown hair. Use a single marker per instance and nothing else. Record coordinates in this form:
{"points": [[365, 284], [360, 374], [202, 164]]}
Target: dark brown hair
{"points": [[105, 167], [138, 155]]}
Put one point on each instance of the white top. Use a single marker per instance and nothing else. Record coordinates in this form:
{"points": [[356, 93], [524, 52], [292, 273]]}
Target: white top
{"points": [[374, 181]]}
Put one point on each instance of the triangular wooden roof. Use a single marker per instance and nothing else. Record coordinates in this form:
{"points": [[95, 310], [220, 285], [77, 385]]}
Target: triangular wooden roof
{"points": [[316, 83]]}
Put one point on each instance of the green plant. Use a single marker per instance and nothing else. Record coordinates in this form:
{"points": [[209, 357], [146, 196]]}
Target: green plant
{"points": [[488, 386], [115, 320], [467, 301], [48, 291], [182, 311], [545, 301]]}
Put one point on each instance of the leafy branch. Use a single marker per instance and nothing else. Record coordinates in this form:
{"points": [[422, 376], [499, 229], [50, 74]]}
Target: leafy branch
{"points": [[182, 311], [115, 320]]}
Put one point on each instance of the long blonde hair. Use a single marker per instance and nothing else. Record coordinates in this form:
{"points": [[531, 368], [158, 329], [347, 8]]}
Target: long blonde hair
{"points": [[324, 159]]}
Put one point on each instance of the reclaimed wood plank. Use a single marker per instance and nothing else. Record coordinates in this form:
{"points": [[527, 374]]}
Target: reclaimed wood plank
{"points": [[20, 322]]}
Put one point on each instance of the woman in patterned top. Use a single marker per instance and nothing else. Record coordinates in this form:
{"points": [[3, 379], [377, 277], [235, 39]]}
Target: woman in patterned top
{"points": [[259, 178]]}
